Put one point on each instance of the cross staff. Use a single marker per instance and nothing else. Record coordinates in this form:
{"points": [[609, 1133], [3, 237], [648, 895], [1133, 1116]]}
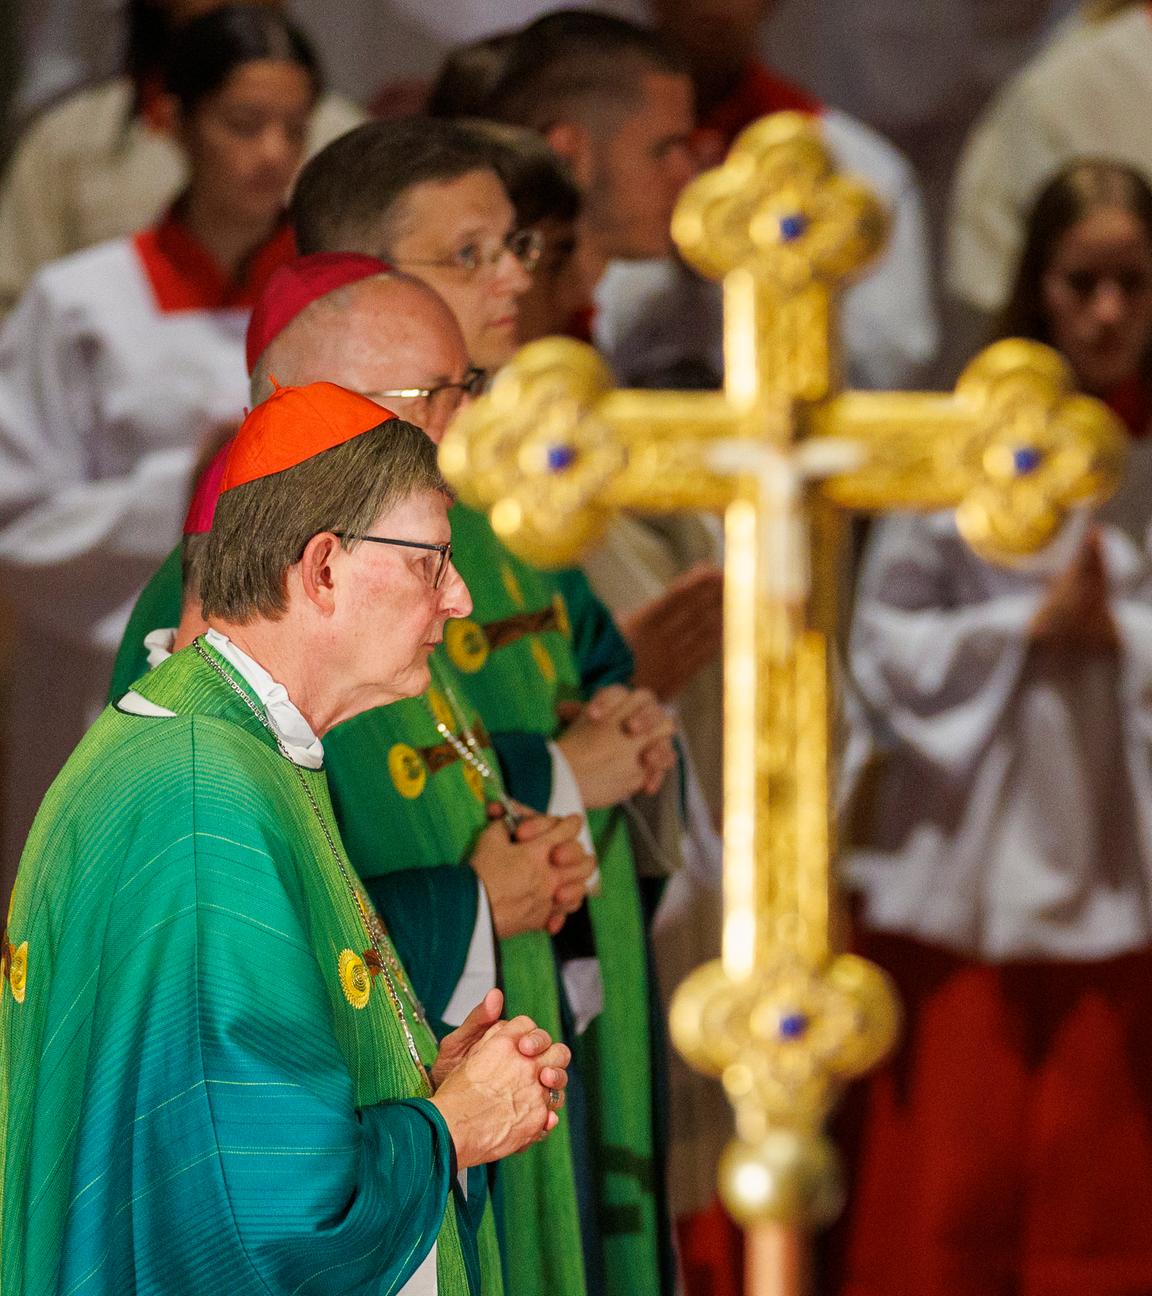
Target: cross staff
{"points": [[554, 450]]}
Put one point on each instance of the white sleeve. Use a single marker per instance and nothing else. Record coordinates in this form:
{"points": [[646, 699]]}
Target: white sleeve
{"points": [[479, 974], [1131, 605], [75, 546], [582, 977], [934, 667], [889, 317], [565, 799]]}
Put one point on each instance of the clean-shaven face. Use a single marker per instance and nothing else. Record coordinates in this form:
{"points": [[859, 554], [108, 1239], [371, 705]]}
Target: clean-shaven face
{"points": [[390, 615]]}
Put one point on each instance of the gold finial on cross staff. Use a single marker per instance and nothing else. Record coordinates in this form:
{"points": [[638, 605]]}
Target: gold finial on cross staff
{"points": [[554, 450]]}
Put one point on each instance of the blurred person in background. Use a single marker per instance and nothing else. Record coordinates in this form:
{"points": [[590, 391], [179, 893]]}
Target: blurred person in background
{"points": [[120, 366], [612, 100], [1006, 859], [1087, 94], [106, 160], [662, 324]]}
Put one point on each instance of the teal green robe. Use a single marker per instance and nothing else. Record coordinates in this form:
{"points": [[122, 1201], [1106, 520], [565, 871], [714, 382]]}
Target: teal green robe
{"points": [[535, 639], [575, 650], [202, 1088]]}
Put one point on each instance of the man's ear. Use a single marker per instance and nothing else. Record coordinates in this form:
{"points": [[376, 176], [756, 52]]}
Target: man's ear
{"points": [[316, 572], [573, 143]]}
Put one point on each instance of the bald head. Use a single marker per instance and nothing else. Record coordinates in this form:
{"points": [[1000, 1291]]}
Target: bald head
{"points": [[377, 335]]}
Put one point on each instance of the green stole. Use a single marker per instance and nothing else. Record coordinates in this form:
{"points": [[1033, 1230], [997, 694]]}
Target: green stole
{"points": [[516, 660], [157, 608], [178, 918], [394, 778]]}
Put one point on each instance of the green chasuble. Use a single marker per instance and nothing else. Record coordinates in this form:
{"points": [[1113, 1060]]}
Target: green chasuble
{"points": [[536, 638], [204, 1087], [394, 777]]}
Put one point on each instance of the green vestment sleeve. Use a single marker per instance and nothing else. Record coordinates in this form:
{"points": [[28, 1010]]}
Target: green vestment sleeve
{"points": [[157, 608], [431, 914]]}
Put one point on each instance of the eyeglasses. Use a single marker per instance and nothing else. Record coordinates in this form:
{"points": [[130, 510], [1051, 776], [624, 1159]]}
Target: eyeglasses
{"points": [[524, 244], [443, 550], [472, 384]]}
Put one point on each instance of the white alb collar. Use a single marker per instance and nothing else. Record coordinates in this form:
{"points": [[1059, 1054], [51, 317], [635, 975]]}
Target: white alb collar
{"points": [[294, 733], [159, 645]]}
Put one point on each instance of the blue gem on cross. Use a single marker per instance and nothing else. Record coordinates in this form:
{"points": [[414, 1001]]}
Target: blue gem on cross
{"points": [[1026, 459], [560, 457], [791, 227], [793, 1025]]}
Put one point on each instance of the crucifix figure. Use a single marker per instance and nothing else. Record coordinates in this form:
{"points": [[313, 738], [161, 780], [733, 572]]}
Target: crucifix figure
{"points": [[554, 449]]}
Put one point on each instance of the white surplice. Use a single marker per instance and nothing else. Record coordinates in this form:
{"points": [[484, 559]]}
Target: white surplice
{"points": [[105, 403], [1012, 812]]}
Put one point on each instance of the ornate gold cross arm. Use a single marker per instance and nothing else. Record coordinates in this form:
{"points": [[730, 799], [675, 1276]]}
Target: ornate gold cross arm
{"points": [[555, 449], [1012, 449]]}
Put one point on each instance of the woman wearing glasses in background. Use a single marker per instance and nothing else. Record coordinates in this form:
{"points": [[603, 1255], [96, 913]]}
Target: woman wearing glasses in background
{"points": [[1006, 875]]}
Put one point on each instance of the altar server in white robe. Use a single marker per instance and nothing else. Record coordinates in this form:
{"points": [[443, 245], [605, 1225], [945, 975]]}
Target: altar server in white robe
{"points": [[122, 366], [104, 160], [1005, 876]]}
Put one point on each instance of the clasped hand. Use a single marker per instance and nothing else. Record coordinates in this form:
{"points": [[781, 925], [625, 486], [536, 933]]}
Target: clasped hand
{"points": [[619, 744], [498, 1084], [534, 877], [1076, 614]]}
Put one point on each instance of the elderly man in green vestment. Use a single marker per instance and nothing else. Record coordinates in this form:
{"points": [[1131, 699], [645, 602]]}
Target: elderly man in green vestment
{"points": [[215, 1076], [393, 339]]}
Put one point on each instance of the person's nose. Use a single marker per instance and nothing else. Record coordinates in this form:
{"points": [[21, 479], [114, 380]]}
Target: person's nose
{"points": [[280, 148], [1109, 304], [510, 275], [455, 601]]}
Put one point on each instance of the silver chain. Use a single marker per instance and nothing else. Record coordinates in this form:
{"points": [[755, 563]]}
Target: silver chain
{"points": [[466, 746], [384, 956]]}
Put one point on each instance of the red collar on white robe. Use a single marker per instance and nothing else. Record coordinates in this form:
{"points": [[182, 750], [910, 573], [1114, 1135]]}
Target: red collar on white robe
{"points": [[185, 276], [759, 92]]}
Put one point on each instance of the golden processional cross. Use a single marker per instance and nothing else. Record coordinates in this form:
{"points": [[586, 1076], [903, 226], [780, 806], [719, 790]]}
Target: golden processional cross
{"points": [[554, 450]]}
